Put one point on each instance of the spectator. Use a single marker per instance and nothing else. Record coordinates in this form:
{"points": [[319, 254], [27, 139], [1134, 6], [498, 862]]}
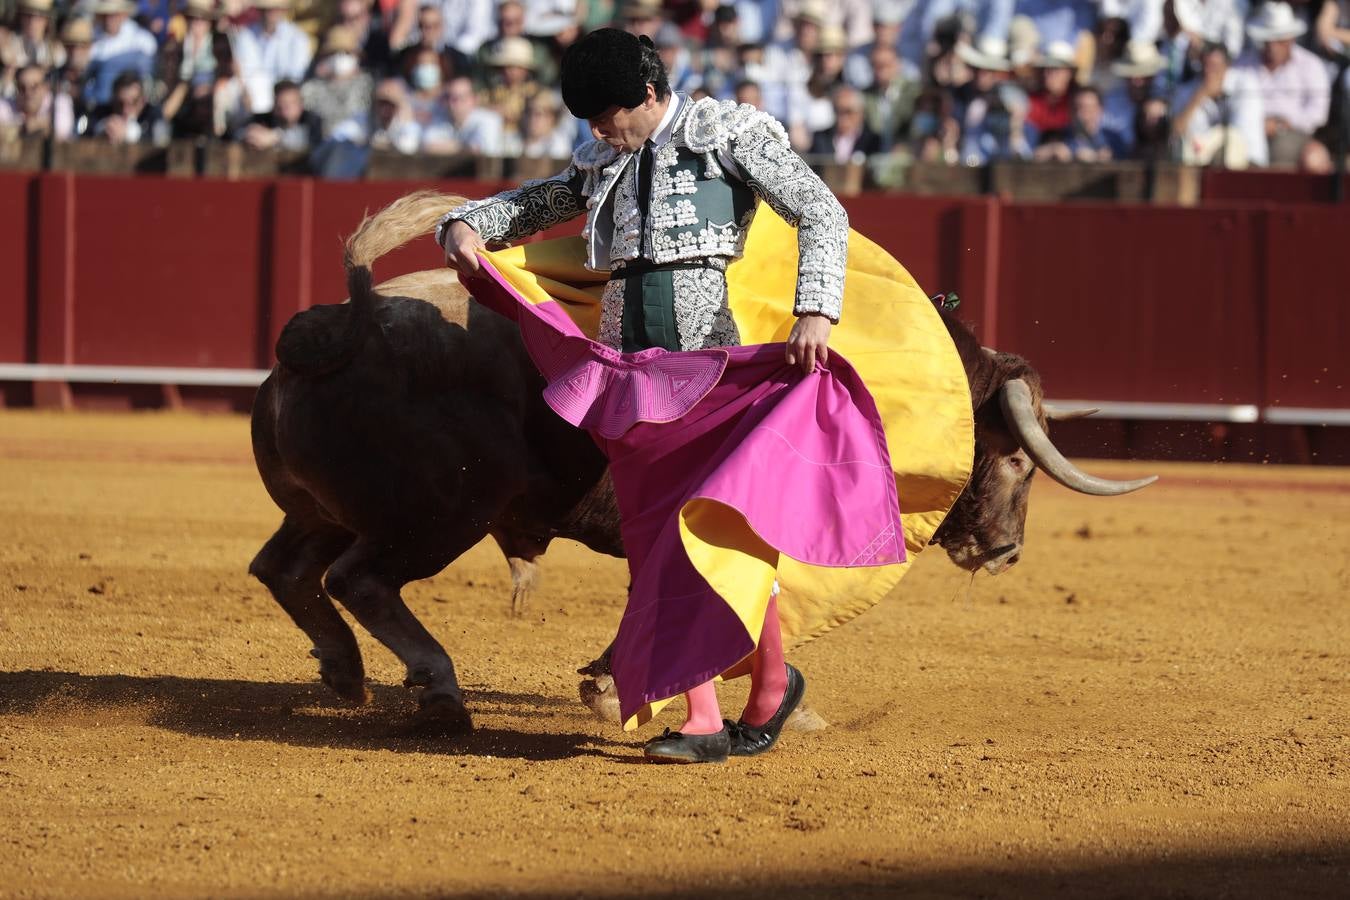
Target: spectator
{"points": [[271, 49], [934, 132], [155, 16], [288, 126], [544, 133], [513, 83], [339, 91], [1143, 18], [31, 111], [675, 55], [467, 25], [848, 140], [427, 72], [1050, 110], [129, 118], [787, 63], [758, 20], [430, 34], [32, 44], [889, 100], [1333, 27], [1134, 73], [1112, 35], [77, 36], [120, 45], [1220, 116], [981, 19], [546, 19], [717, 66], [1089, 139], [197, 48], [511, 23], [640, 16], [371, 38], [1294, 85], [1060, 21], [1219, 21], [205, 94], [859, 68], [992, 110], [812, 108], [467, 127], [749, 93], [390, 126]]}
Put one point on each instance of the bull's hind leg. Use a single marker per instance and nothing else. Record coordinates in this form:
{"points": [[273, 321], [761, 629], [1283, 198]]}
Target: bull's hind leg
{"points": [[291, 565], [361, 580]]}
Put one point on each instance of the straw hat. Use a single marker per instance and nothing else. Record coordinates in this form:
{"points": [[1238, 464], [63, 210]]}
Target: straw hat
{"points": [[512, 51], [36, 7], [1275, 22], [1140, 60], [77, 31], [115, 7], [811, 11], [988, 53], [1057, 55], [832, 40], [200, 9], [340, 39]]}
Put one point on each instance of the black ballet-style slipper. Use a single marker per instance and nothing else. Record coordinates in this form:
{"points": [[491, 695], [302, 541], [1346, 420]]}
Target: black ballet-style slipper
{"points": [[678, 747], [752, 740]]}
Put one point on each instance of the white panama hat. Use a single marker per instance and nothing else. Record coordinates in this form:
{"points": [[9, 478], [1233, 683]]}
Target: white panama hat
{"points": [[988, 53], [1275, 22], [1057, 55], [1141, 60]]}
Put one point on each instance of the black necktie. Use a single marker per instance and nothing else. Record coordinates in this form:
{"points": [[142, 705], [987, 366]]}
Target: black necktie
{"points": [[644, 189]]}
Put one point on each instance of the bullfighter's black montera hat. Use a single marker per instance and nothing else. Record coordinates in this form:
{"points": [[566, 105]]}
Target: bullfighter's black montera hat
{"points": [[604, 69]]}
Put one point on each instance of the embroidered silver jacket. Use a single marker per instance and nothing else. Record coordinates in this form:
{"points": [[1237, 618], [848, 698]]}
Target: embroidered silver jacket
{"points": [[721, 157]]}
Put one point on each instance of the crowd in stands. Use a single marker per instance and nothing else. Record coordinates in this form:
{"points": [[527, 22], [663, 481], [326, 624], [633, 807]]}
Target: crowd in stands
{"points": [[958, 81]]}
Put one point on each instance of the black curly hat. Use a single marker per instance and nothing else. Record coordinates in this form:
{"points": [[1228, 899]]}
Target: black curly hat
{"points": [[609, 67]]}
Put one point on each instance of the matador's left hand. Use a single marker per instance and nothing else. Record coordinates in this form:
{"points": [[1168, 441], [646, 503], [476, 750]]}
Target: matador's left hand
{"points": [[807, 342]]}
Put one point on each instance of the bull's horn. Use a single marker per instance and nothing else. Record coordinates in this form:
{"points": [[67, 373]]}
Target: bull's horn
{"points": [[1015, 397], [1060, 414]]}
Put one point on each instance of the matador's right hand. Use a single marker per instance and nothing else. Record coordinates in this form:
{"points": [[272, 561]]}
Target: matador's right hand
{"points": [[462, 246]]}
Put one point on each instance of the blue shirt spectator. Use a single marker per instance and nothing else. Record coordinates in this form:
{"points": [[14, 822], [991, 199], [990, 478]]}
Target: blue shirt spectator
{"points": [[120, 45]]}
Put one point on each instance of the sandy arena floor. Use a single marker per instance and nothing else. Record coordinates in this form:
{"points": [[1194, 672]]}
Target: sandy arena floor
{"points": [[1155, 702]]}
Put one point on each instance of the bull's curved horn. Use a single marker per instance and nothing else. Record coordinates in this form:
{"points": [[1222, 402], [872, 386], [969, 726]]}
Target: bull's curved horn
{"points": [[1060, 414], [1015, 398]]}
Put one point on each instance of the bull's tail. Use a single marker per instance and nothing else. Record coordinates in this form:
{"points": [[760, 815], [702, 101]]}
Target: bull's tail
{"points": [[325, 338]]}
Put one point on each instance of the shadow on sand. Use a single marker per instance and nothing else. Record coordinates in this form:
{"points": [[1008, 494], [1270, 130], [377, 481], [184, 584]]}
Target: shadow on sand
{"points": [[304, 715]]}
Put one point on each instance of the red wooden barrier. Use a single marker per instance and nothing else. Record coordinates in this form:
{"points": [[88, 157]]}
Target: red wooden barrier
{"points": [[1238, 304]]}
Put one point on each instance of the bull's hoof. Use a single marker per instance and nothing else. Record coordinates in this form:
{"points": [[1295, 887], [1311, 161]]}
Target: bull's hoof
{"points": [[444, 715], [345, 680], [601, 698], [804, 718]]}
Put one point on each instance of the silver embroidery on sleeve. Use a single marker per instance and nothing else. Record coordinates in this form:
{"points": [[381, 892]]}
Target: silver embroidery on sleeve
{"points": [[783, 180], [530, 208]]}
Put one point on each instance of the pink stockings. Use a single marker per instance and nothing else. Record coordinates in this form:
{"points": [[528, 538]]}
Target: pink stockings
{"points": [[768, 683]]}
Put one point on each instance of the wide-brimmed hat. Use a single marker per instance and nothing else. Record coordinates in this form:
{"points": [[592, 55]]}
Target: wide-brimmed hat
{"points": [[988, 53], [811, 11], [1275, 22], [77, 31], [201, 9], [832, 40], [512, 51], [340, 39], [1140, 60], [115, 7], [1056, 55], [36, 7], [640, 9]]}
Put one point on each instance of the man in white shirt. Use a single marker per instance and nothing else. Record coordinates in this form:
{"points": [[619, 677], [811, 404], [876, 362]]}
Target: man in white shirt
{"points": [[272, 49], [1295, 88], [1219, 116], [468, 127], [119, 45]]}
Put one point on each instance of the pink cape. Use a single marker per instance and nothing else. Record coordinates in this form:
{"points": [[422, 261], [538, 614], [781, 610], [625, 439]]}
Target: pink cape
{"points": [[802, 459]]}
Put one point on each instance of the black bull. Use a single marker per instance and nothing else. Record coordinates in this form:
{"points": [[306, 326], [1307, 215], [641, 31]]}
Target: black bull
{"points": [[400, 429]]}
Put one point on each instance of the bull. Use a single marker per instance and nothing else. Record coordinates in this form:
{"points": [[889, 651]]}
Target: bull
{"points": [[401, 428]]}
